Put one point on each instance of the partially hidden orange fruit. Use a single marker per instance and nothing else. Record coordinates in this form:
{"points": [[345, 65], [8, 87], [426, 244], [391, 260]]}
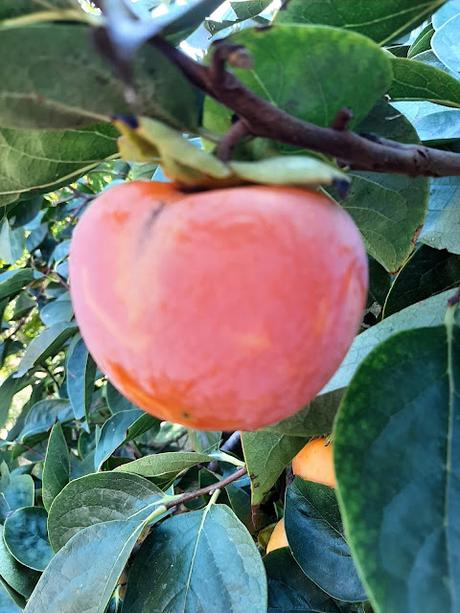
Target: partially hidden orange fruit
{"points": [[315, 462], [278, 537], [220, 310]]}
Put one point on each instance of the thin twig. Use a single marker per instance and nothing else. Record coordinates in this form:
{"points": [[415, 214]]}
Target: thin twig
{"points": [[455, 299], [267, 121], [206, 490], [234, 136], [342, 119]]}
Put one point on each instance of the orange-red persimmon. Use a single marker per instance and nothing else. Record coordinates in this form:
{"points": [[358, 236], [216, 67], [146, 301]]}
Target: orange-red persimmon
{"points": [[220, 310]]}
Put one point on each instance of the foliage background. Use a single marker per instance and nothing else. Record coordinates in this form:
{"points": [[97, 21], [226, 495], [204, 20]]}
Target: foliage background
{"points": [[85, 474]]}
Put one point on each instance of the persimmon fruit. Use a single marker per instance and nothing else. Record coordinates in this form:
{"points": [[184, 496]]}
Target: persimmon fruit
{"points": [[220, 310], [315, 462], [278, 538]]}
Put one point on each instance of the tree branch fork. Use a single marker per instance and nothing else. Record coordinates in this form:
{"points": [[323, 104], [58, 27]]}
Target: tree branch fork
{"points": [[258, 117]]}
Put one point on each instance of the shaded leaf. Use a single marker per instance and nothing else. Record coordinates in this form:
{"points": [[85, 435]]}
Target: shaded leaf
{"points": [[404, 459], [315, 535], [7, 603], [46, 344], [19, 577], [447, 11], [81, 373], [26, 537], [10, 386], [56, 468], [201, 557], [57, 311], [289, 589], [116, 401], [115, 432], [445, 43], [12, 242], [442, 228], [108, 544], [16, 491], [12, 281], [43, 415], [428, 272]]}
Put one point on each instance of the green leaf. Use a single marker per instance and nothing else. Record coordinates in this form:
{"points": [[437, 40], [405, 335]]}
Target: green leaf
{"points": [[19, 577], [15, 8], [422, 42], [249, 8], [81, 373], [76, 96], [447, 11], [7, 603], [445, 43], [315, 535], [26, 537], [56, 469], [204, 558], [118, 429], [266, 455], [314, 420], [428, 272], [12, 281], [43, 415], [116, 401], [388, 209], [429, 312], [92, 560], [165, 465], [23, 305], [12, 242], [97, 498], [46, 344], [204, 441], [342, 68], [10, 386], [418, 81], [382, 20], [289, 589], [16, 491], [442, 228], [396, 453], [39, 160], [57, 311]]}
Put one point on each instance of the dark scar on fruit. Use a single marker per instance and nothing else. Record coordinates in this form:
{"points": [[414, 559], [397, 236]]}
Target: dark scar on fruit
{"points": [[151, 219]]}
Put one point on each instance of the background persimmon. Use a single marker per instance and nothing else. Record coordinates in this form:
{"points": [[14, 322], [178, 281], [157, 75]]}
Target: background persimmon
{"points": [[278, 538], [221, 310], [315, 462]]}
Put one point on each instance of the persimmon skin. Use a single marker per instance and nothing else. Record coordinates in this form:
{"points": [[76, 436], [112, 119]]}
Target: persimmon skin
{"points": [[220, 310], [278, 538], [315, 462]]}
